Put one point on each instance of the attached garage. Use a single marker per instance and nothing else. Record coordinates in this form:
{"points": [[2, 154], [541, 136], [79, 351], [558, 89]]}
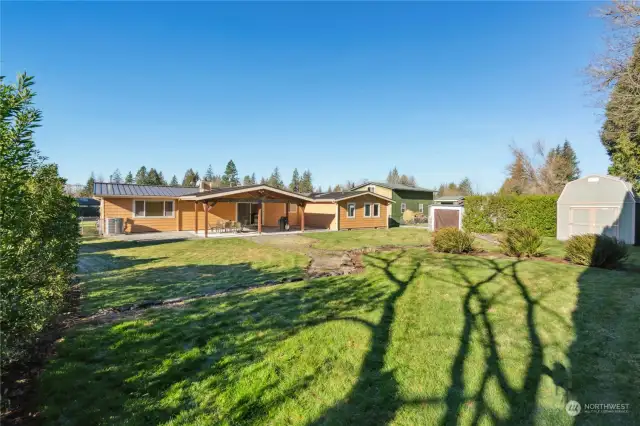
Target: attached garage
{"points": [[598, 205]]}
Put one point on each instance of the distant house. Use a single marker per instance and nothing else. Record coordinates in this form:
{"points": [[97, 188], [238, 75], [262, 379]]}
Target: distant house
{"points": [[88, 207], [405, 197]]}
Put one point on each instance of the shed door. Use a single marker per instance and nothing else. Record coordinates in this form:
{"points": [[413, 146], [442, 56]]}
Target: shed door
{"points": [[594, 220], [446, 218]]}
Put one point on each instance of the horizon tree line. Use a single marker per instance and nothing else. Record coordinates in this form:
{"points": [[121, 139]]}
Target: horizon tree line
{"points": [[230, 177]]}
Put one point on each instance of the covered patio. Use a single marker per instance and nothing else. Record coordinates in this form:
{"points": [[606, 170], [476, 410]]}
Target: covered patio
{"points": [[250, 203]]}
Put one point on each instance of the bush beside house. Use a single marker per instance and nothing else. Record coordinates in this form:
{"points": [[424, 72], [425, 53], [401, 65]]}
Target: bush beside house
{"points": [[497, 213], [38, 228]]}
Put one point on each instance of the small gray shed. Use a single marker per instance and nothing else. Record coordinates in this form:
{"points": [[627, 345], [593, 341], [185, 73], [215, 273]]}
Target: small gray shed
{"points": [[597, 204]]}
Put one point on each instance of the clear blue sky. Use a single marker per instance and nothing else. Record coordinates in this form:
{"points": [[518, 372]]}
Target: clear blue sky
{"points": [[346, 90]]}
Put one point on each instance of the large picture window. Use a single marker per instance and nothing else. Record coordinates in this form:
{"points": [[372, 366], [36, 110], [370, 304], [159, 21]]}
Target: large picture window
{"points": [[152, 208]]}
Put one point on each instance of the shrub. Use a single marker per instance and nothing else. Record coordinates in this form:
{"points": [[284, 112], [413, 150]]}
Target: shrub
{"points": [[452, 240], [38, 228], [498, 213], [596, 250], [521, 242]]}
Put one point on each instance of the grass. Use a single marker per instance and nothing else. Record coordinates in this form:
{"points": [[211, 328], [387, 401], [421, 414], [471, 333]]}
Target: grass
{"points": [[550, 246], [116, 273], [348, 240], [418, 338]]}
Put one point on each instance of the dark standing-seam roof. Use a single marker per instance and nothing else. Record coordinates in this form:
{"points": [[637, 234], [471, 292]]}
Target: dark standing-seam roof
{"points": [[103, 189], [341, 195], [397, 186]]}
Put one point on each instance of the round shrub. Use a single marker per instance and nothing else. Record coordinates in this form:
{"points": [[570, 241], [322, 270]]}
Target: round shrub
{"points": [[452, 240], [521, 242], [596, 250]]}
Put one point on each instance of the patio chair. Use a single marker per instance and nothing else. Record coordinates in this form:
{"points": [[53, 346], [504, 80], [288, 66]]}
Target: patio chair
{"points": [[227, 226], [237, 226], [219, 226]]}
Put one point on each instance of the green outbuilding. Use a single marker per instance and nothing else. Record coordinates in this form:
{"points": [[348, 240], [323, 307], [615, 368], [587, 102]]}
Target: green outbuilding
{"points": [[405, 197]]}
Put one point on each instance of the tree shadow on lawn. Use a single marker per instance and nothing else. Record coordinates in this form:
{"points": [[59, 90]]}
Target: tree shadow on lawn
{"points": [[124, 287], [177, 363], [605, 353], [108, 245], [188, 363], [375, 399]]}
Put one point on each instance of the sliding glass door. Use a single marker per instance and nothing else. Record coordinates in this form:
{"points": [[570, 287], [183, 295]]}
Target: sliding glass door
{"points": [[247, 213]]}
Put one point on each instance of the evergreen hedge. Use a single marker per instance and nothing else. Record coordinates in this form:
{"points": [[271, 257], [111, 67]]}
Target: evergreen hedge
{"points": [[38, 228], [498, 213]]}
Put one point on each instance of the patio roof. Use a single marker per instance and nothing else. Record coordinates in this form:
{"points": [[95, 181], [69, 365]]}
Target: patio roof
{"points": [[259, 192]]}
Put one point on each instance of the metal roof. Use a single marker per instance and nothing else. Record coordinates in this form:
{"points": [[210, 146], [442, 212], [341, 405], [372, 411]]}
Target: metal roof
{"points": [[341, 195], [450, 198], [102, 189], [396, 186], [337, 195]]}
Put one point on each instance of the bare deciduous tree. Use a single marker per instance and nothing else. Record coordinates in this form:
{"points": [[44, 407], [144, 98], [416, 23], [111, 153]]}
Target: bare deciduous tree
{"points": [[539, 173], [623, 20]]}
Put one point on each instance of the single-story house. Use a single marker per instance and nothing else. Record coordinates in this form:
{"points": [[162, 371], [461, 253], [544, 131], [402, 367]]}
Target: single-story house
{"points": [[88, 207], [405, 197], [149, 208]]}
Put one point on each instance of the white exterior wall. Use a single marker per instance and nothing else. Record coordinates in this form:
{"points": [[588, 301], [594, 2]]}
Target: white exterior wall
{"points": [[597, 200]]}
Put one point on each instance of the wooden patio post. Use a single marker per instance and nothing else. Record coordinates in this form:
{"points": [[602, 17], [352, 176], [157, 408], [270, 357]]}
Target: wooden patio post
{"points": [[286, 206], [259, 217], [301, 216], [205, 205], [176, 212], [195, 216]]}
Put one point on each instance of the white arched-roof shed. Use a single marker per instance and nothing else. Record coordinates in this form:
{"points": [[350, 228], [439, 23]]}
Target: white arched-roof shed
{"points": [[597, 204]]}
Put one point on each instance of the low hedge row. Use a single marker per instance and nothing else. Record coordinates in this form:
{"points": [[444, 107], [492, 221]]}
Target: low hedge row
{"points": [[498, 213]]}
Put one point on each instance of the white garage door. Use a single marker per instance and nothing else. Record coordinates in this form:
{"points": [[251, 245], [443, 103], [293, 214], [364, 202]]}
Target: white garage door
{"points": [[594, 220]]}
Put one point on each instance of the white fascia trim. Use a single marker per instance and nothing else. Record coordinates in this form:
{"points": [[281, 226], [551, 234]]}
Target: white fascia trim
{"points": [[242, 190]]}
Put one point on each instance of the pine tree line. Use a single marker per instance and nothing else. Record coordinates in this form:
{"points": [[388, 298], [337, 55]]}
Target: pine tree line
{"points": [[230, 178]]}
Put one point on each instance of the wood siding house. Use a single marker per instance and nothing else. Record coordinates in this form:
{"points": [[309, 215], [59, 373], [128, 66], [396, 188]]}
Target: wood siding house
{"points": [[150, 208], [404, 198]]}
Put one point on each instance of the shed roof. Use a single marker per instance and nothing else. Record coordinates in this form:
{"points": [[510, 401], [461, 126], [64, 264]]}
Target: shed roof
{"points": [[450, 198], [597, 189], [103, 189], [396, 186]]}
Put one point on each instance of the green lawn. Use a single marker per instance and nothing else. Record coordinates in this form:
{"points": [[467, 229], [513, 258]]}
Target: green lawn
{"points": [[347, 240], [116, 273], [417, 339], [551, 246]]}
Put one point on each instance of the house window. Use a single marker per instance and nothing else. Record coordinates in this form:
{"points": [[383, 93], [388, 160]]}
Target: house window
{"points": [[351, 210], [148, 208], [367, 210], [403, 207], [371, 188], [421, 208], [138, 209], [376, 210]]}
